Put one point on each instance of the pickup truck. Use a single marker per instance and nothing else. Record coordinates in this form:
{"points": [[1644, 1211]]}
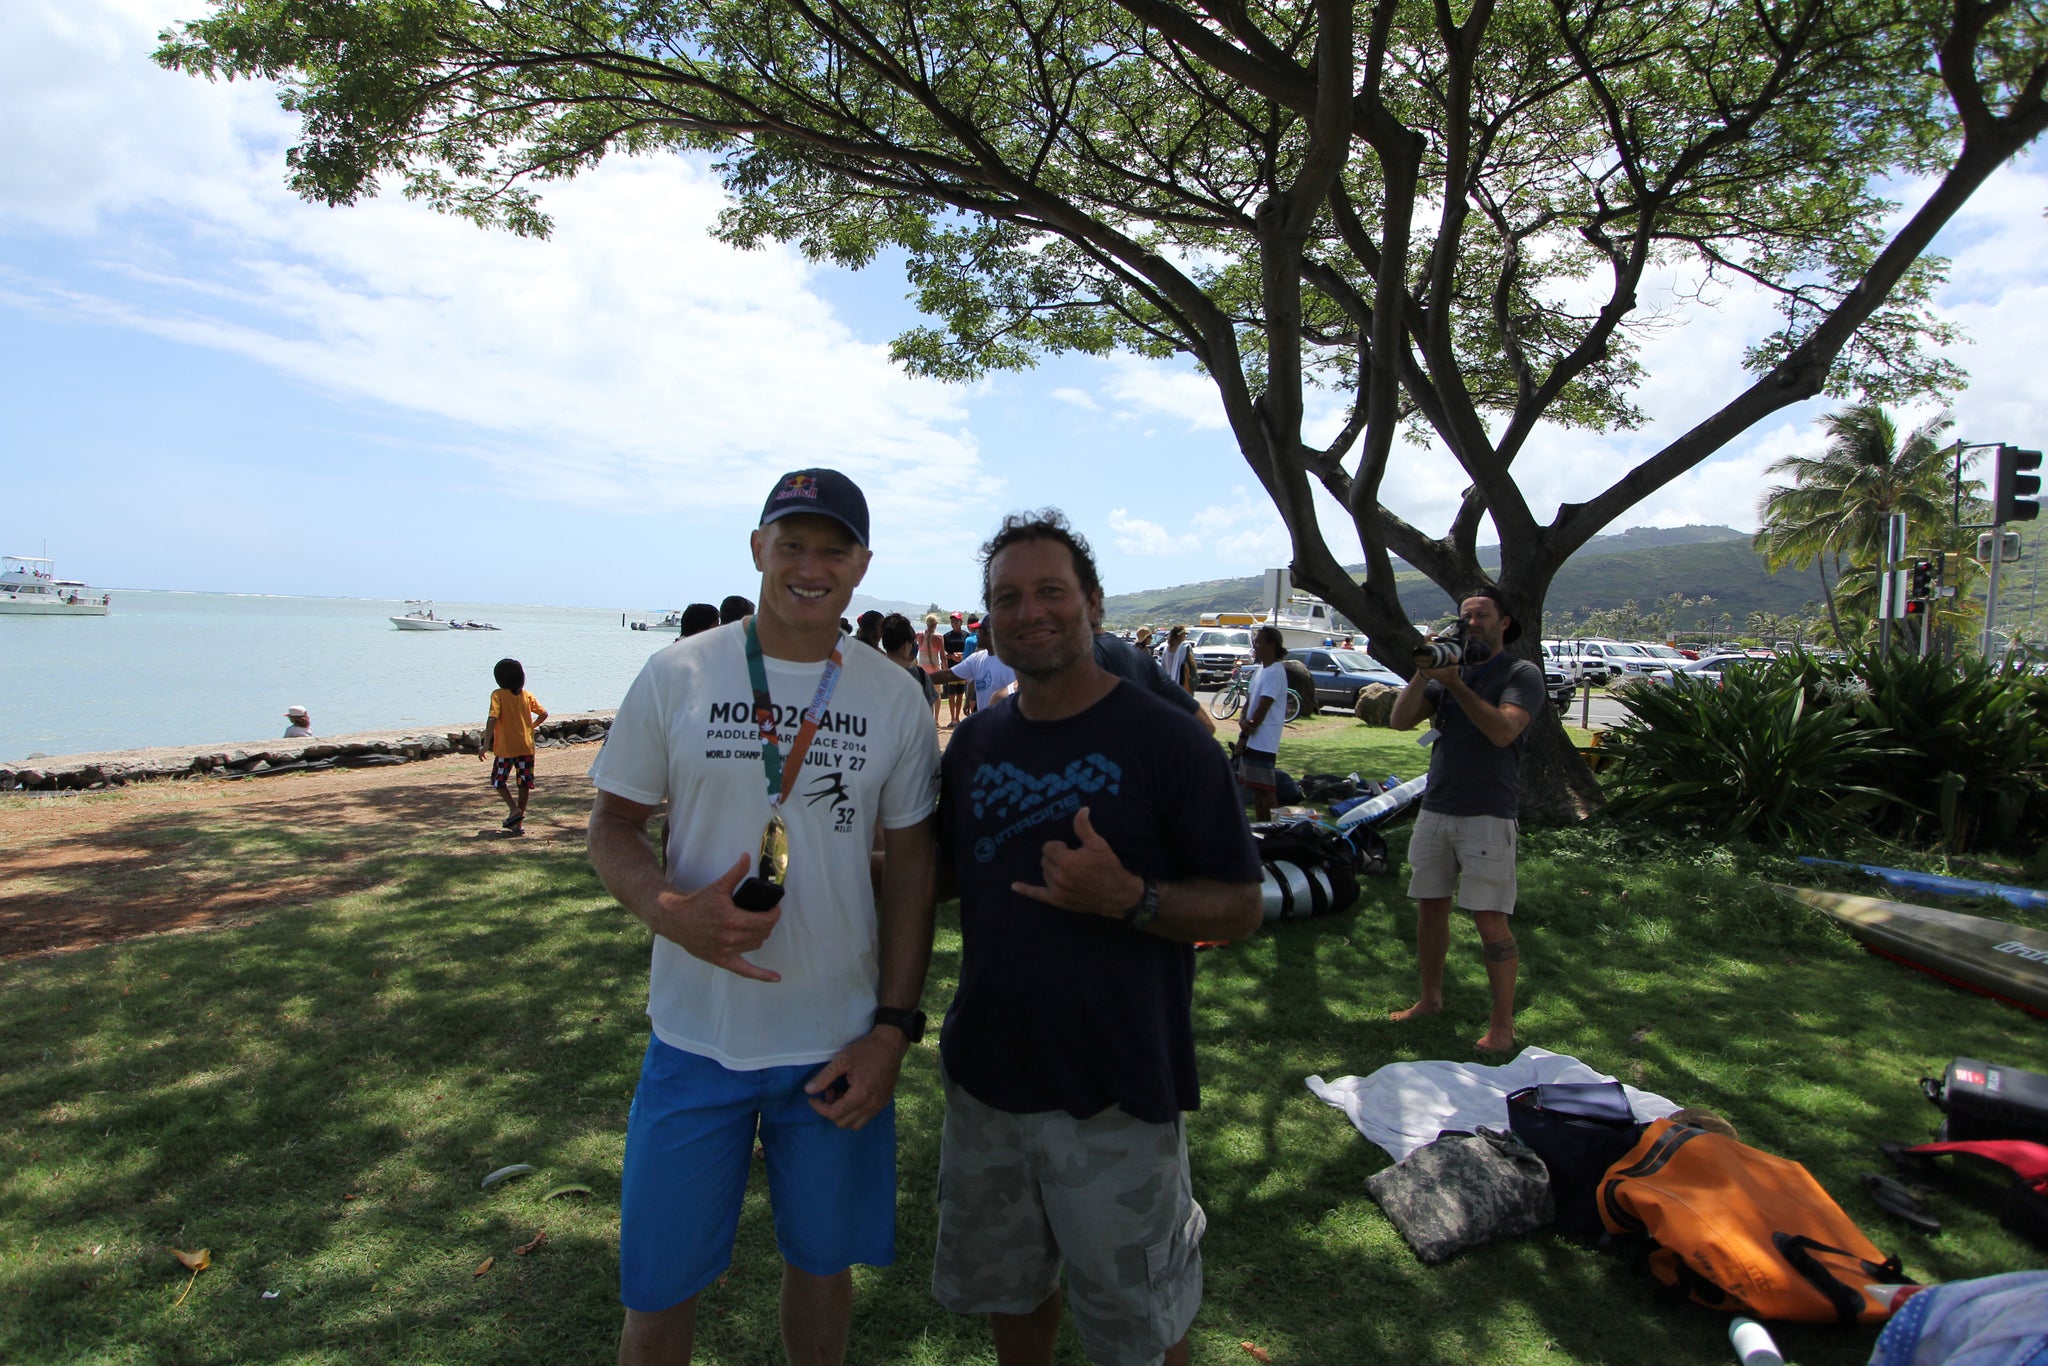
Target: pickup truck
{"points": [[1601, 661], [1217, 652]]}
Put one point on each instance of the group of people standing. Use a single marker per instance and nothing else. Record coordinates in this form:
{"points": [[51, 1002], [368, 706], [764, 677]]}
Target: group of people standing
{"points": [[1092, 831]]}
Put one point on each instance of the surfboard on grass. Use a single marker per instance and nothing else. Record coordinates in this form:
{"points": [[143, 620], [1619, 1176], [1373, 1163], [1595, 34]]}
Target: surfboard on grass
{"points": [[1992, 957]]}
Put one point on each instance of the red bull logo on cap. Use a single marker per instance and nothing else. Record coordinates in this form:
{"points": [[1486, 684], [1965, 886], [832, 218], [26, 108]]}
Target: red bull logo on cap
{"points": [[798, 486]]}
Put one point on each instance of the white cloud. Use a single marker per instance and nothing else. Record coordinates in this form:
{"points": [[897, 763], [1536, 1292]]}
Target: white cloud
{"points": [[639, 363], [1244, 531], [1136, 536], [1148, 388], [1080, 398]]}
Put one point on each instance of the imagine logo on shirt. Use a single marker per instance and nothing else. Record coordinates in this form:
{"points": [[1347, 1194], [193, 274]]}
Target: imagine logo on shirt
{"points": [[1002, 790]]}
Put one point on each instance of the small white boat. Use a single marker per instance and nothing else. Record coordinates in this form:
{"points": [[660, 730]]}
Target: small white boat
{"points": [[1304, 622], [421, 618], [29, 587]]}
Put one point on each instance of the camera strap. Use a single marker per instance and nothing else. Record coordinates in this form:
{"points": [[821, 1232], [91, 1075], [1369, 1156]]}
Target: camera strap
{"points": [[781, 773]]}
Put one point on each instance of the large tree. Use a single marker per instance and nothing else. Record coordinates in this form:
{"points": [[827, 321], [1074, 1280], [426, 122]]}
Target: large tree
{"points": [[1448, 212]]}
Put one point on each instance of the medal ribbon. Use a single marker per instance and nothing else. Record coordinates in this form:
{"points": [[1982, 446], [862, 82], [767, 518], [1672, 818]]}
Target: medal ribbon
{"points": [[782, 772]]}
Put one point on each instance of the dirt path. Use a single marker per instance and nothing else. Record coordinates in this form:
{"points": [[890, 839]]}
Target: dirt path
{"points": [[92, 868]]}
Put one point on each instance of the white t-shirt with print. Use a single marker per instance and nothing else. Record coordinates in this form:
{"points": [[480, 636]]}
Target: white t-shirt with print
{"points": [[1270, 680], [685, 734], [987, 673]]}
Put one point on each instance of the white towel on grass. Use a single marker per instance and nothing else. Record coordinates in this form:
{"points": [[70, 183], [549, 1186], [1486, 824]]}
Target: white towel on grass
{"points": [[1407, 1104]]}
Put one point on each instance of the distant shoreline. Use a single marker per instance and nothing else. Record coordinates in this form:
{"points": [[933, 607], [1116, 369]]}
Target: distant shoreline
{"points": [[86, 771]]}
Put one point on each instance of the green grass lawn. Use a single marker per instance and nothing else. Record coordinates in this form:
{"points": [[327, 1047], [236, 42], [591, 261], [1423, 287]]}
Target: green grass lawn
{"points": [[315, 1097]]}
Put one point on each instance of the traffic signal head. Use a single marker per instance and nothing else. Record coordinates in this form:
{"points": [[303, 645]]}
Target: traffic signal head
{"points": [[1923, 581], [2013, 490]]}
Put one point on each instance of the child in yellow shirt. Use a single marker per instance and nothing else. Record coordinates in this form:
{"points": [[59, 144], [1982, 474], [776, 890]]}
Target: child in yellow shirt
{"points": [[509, 732]]}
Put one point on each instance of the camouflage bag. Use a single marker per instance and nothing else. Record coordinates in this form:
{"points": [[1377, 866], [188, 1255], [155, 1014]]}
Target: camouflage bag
{"points": [[1463, 1190]]}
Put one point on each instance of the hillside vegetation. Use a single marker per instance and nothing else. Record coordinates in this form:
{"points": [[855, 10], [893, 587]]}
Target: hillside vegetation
{"points": [[1643, 564]]}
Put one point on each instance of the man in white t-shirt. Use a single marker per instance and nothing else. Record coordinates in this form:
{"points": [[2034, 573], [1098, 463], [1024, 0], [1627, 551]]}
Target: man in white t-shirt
{"points": [[988, 674], [1265, 712], [779, 748]]}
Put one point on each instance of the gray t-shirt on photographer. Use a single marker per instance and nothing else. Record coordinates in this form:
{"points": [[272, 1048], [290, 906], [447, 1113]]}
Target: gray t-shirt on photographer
{"points": [[1469, 775]]}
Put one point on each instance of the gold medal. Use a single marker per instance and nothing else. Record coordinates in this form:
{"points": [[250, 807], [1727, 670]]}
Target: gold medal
{"points": [[774, 850]]}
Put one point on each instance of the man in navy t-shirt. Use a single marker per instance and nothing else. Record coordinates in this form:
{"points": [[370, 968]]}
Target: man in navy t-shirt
{"points": [[1096, 835]]}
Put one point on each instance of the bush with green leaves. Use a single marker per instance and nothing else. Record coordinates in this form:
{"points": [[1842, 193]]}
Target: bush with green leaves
{"points": [[1774, 752], [1799, 748], [1971, 761]]}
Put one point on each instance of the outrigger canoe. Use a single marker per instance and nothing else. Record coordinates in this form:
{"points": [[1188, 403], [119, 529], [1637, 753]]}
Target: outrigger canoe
{"points": [[1997, 959]]}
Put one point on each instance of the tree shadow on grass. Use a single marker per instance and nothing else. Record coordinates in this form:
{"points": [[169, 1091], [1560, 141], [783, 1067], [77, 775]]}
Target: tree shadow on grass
{"points": [[232, 1091], [315, 1099]]}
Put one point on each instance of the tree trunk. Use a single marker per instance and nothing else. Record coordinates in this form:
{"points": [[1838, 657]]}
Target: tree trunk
{"points": [[1557, 787], [1820, 562]]}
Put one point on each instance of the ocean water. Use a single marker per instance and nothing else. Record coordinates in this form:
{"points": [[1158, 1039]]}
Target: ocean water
{"points": [[192, 668]]}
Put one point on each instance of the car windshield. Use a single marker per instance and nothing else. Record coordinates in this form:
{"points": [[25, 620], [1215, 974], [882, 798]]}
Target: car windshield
{"points": [[1356, 662], [1632, 651], [1662, 652], [1243, 638]]}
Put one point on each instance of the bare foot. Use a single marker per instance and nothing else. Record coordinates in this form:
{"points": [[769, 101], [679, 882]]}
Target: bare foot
{"points": [[1497, 1041], [1415, 1012]]}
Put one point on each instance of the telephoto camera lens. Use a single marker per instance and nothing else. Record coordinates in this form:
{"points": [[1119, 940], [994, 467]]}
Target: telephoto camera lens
{"points": [[1443, 650]]}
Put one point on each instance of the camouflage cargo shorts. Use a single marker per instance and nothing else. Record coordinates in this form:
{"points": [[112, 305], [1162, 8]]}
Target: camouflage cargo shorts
{"points": [[1108, 1196]]}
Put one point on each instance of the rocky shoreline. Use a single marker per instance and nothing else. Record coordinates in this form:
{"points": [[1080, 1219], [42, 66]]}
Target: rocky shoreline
{"points": [[254, 758]]}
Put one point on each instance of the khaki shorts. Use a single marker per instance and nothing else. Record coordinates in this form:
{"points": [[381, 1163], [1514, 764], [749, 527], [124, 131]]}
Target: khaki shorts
{"points": [[1108, 1196], [1471, 855]]}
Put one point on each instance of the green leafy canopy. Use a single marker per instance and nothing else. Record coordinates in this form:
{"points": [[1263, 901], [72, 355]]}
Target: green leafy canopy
{"points": [[1447, 212]]}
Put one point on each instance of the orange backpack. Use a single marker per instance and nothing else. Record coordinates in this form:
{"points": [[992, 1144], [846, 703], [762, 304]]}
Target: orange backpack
{"points": [[1744, 1231]]}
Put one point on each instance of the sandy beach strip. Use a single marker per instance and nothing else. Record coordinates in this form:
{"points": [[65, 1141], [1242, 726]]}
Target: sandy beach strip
{"points": [[93, 867]]}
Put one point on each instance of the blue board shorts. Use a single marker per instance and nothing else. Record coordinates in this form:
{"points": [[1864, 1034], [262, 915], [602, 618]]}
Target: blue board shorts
{"points": [[689, 1144]]}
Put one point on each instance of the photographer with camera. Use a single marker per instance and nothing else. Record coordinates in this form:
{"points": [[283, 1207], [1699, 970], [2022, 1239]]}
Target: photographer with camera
{"points": [[1464, 838]]}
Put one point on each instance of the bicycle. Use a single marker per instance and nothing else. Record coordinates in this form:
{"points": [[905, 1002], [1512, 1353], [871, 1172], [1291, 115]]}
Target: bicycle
{"points": [[1230, 700]]}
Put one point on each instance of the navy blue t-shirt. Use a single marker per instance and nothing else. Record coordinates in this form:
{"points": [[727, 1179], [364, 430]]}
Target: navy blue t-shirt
{"points": [[1059, 1010]]}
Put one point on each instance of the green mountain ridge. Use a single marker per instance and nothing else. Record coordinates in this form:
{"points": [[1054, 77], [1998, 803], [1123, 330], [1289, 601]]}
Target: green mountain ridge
{"points": [[1642, 564]]}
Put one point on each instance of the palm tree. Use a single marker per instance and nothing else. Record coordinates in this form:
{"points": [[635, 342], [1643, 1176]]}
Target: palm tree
{"points": [[1833, 512]]}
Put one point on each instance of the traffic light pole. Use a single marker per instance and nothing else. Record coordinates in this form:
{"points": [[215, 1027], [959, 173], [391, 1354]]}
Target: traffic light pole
{"points": [[1991, 586], [1888, 604]]}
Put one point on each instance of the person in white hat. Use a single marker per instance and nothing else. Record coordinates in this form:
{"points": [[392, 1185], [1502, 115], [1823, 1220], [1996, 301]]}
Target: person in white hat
{"points": [[297, 723]]}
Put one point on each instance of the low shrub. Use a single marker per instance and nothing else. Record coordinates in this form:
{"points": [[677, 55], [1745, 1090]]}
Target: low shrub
{"points": [[1971, 761], [1915, 749], [1767, 754]]}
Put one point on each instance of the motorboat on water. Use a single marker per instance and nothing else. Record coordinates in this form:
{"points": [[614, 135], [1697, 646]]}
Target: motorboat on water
{"points": [[29, 587], [422, 617]]}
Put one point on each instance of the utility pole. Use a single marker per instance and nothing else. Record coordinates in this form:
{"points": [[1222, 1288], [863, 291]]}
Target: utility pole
{"points": [[1889, 604], [1991, 587]]}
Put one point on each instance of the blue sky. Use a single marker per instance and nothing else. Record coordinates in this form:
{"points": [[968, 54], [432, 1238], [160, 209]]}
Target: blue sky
{"points": [[211, 385]]}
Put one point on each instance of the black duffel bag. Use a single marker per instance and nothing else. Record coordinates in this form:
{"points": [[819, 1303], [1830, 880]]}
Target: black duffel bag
{"points": [[1579, 1129]]}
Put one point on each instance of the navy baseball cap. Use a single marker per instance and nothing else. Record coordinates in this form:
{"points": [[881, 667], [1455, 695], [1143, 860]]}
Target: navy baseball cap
{"points": [[826, 493]]}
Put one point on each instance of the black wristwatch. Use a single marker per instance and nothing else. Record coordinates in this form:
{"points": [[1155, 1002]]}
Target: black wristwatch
{"points": [[1147, 908], [910, 1021]]}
